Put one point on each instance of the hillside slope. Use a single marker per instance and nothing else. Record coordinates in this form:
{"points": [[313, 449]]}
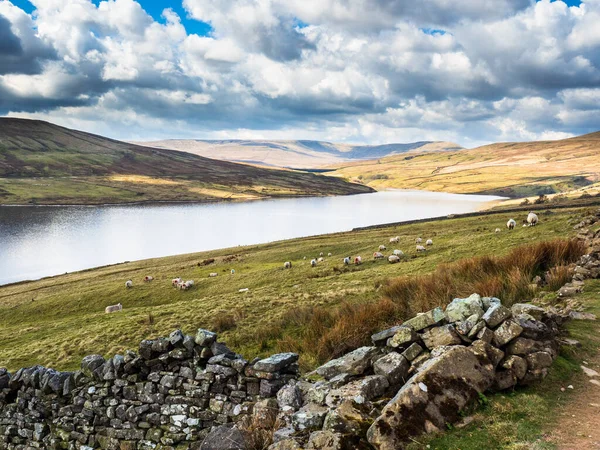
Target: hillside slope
{"points": [[44, 163], [513, 169], [293, 154]]}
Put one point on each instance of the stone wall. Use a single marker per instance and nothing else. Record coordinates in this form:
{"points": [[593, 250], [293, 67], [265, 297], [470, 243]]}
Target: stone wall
{"points": [[167, 395]]}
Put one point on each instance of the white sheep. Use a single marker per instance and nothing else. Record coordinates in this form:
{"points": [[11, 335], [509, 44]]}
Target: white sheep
{"points": [[187, 285], [398, 252], [321, 259], [148, 278], [525, 225], [429, 242], [244, 290], [420, 248], [347, 261], [358, 260], [532, 219], [129, 284], [498, 230], [393, 259], [395, 240], [213, 274], [313, 263], [114, 308], [378, 255], [329, 254], [287, 265], [511, 224], [418, 240], [176, 281], [232, 271], [304, 258], [382, 248], [321, 254]]}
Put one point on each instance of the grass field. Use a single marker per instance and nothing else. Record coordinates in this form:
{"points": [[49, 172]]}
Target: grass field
{"points": [[58, 320]]}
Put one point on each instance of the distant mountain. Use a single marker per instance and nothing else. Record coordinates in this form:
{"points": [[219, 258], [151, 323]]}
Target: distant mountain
{"points": [[513, 169], [81, 167], [303, 154]]}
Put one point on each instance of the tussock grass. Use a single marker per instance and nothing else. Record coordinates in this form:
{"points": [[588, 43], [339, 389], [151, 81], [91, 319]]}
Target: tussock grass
{"points": [[325, 333]]}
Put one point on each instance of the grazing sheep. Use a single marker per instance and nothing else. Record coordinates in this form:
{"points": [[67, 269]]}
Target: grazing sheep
{"points": [[148, 278], [382, 248], [358, 260], [532, 219], [347, 261], [378, 255], [398, 252], [287, 265], [213, 274], [176, 281], [244, 290], [498, 230], [393, 259], [129, 284], [321, 254], [329, 254], [187, 285], [304, 258], [418, 240], [511, 224], [420, 248], [429, 242], [395, 240], [232, 271], [313, 263], [114, 308]]}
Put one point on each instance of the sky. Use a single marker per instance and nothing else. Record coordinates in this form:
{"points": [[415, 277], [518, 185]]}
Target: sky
{"points": [[358, 71]]}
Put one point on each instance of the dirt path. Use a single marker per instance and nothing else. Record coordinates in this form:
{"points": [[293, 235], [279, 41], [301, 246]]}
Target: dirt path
{"points": [[578, 426]]}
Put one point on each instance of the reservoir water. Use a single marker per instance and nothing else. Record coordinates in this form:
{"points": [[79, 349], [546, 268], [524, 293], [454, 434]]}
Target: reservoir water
{"points": [[39, 241]]}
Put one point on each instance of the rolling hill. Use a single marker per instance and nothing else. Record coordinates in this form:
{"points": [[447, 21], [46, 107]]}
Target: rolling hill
{"points": [[300, 154], [48, 164], [514, 169]]}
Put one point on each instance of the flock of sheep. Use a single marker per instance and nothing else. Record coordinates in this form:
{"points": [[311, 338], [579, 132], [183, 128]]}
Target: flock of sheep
{"points": [[531, 221]]}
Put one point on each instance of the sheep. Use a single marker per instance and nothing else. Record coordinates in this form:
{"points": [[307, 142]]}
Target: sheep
{"points": [[129, 284], [393, 259], [329, 254], [321, 259], [114, 308], [148, 279], [511, 224], [244, 290], [420, 248], [287, 265], [321, 254], [532, 219], [525, 225], [498, 230], [304, 258], [187, 285], [213, 274], [398, 252], [395, 240], [378, 255], [176, 281], [418, 240], [232, 271], [313, 263], [347, 261], [429, 242], [358, 260], [382, 248]]}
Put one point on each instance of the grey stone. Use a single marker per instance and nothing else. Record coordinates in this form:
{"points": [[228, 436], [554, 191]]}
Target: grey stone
{"points": [[515, 364], [439, 336], [205, 338], [506, 332], [464, 327], [90, 363], [310, 417], [403, 337], [289, 395], [523, 347], [224, 437], [462, 308], [325, 440], [538, 360], [412, 351], [527, 308], [496, 314], [486, 335], [392, 366], [493, 354], [382, 336], [353, 363], [359, 391], [425, 320], [276, 362]]}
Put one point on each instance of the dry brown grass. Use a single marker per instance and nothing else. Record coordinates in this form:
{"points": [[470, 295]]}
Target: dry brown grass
{"points": [[321, 333], [558, 276]]}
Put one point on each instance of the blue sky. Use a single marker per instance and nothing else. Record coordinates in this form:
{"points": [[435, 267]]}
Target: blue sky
{"points": [[368, 71]]}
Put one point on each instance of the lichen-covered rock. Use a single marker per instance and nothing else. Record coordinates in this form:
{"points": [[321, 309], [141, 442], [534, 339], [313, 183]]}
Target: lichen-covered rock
{"points": [[538, 360], [289, 395], [515, 364], [523, 347], [353, 363], [462, 308], [310, 417], [359, 391], [425, 320], [325, 440], [506, 332], [224, 437], [440, 336], [532, 328], [412, 351], [527, 308], [381, 337], [89, 364], [436, 395], [286, 444], [403, 337], [348, 418], [392, 366], [495, 355], [205, 338], [496, 314], [276, 362]]}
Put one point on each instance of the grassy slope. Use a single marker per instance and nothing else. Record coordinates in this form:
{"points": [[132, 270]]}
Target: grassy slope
{"points": [[58, 320], [511, 169], [44, 163]]}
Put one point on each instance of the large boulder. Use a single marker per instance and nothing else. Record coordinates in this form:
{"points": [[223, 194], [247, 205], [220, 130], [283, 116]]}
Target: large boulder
{"points": [[433, 397], [496, 314], [224, 437], [353, 363]]}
